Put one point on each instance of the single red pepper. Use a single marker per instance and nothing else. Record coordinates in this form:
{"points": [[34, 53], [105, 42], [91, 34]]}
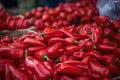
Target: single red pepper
{"points": [[7, 39], [101, 20], [3, 62], [68, 69], [63, 77], [107, 59], [116, 24], [33, 42], [71, 41], [32, 50], [49, 33], [96, 34], [93, 54], [13, 73], [52, 51], [114, 70], [102, 46], [79, 54], [67, 33], [12, 53], [42, 54], [99, 69], [71, 49], [109, 33], [52, 41], [82, 78], [41, 70]]}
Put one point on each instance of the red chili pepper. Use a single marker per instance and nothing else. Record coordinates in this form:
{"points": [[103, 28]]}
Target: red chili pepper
{"points": [[41, 70], [66, 78], [116, 24], [117, 36], [13, 73], [107, 78], [71, 49], [96, 34], [3, 62], [7, 39], [82, 65], [82, 78], [107, 59], [99, 69], [79, 54], [63, 58], [94, 54], [86, 60], [96, 76], [32, 50], [68, 69], [103, 47], [109, 33], [42, 54], [67, 33], [19, 44], [71, 41], [33, 42], [114, 70], [52, 41], [49, 33], [52, 51], [12, 53], [101, 20]]}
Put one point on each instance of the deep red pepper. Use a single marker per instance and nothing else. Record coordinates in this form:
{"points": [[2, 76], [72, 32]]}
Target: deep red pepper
{"points": [[33, 42], [13, 73], [12, 53], [101, 20], [71, 49], [40, 69], [3, 62], [116, 24], [7, 39], [49, 33], [109, 33], [79, 54], [68, 69], [99, 69], [102, 46], [32, 50], [82, 78], [107, 59], [96, 34], [52, 51], [66, 78], [71, 41], [94, 54]]}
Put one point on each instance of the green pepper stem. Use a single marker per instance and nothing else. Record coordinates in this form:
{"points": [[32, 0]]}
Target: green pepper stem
{"points": [[26, 54], [45, 57], [42, 34]]}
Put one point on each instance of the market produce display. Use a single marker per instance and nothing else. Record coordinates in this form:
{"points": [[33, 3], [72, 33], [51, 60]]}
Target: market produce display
{"points": [[64, 15], [89, 52]]}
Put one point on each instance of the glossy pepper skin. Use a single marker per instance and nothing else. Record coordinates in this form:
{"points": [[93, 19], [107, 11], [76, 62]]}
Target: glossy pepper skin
{"points": [[12, 53], [3, 62], [37, 70], [13, 73], [33, 42], [99, 69], [68, 69]]}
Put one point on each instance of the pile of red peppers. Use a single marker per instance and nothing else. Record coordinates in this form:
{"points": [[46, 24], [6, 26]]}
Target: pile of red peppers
{"points": [[89, 52]]}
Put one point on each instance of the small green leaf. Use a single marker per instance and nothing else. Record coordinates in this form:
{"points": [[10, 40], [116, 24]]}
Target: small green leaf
{"points": [[89, 32], [26, 54], [42, 34], [111, 43], [45, 57], [94, 46], [57, 60], [50, 78], [75, 41], [118, 30]]}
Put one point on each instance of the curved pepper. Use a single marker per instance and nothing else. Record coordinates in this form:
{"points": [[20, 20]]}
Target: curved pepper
{"points": [[40, 69], [12, 53], [99, 69], [12, 73], [3, 62], [33, 42]]}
